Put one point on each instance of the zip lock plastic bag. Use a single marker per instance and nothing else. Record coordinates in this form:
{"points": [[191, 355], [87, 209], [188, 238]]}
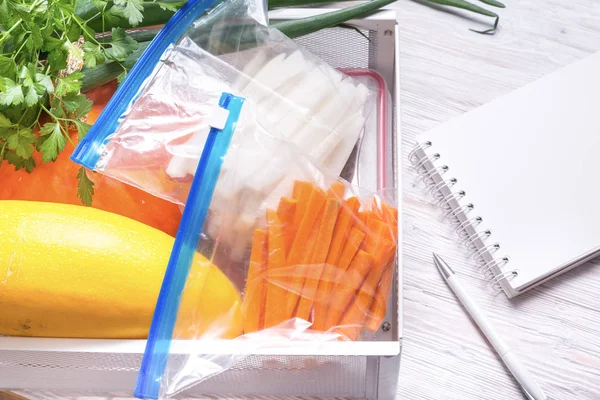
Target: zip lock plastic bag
{"points": [[246, 128], [153, 130], [317, 260]]}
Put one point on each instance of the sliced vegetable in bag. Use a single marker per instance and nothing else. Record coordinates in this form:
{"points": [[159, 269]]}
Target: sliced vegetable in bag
{"points": [[312, 257], [246, 129], [152, 132]]}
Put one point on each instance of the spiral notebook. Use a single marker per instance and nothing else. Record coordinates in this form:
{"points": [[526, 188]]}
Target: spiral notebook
{"points": [[520, 177]]}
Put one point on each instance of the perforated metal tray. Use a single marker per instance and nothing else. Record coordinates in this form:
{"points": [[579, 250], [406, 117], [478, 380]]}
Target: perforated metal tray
{"points": [[367, 369]]}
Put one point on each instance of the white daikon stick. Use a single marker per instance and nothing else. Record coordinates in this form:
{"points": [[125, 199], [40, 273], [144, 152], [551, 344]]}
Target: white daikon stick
{"points": [[347, 128]]}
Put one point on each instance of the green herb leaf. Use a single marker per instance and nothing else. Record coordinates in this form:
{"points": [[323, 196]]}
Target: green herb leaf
{"points": [[114, 16], [100, 4], [25, 75], [121, 77], [93, 55], [167, 6], [131, 9], [77, 104], [121, 45], [45, 81], [11, 93], [5, 133], [57, 110], [82, 128], [28, 164], [4, 10], [40, 7], [74, 33], [54, 142], [31, 97], [8, 68], [5, 122], [69, 84], [57, 59], [22, 142], [85, 187], [37, 40], [51, 43]]}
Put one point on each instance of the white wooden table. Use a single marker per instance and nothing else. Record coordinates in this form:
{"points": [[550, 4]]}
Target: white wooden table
{"points": [[446, 71]]}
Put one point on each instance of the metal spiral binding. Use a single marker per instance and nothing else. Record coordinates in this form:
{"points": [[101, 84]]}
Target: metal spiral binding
{"points": [[466, 227]]}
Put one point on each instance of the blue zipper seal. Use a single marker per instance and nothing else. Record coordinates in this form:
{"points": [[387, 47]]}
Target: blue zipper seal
{"points": [[89, 149], [194, 214]]}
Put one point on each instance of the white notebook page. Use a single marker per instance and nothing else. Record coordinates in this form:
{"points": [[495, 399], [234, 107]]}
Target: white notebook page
{"points": [[530, 163]]}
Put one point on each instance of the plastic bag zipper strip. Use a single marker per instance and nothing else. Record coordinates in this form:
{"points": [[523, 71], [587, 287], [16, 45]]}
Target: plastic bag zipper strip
{"points": [[184, 248], [89, 149]]}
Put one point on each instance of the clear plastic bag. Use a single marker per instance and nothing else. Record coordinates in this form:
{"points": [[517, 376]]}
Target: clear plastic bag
{"points": [[152, 132], [313, 259], [250, 132]]}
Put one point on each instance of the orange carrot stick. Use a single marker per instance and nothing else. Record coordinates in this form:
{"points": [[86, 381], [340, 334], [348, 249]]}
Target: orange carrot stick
{"points": [[360, 220], [360, 309], [298, 252], [354, 318], [276, 281], [381, 242], [350, 248], [345, 292], [253, 305], [390, 215], [337, 190], [285, 212], [382, 245], [349, 253], [319, 255], [343, 225], [301, 193], [376, 232], [378, 307]]}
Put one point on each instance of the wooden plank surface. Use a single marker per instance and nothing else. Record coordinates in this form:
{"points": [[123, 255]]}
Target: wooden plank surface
{"points": [[447, 70]]}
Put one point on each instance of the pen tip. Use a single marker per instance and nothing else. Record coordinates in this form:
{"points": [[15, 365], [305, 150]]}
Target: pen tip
{"points": [[442, 266]]}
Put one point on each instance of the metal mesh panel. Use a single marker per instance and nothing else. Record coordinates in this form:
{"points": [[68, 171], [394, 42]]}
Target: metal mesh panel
{"points": [[37, 360], [341, 47], [322, 375], [300, 375]]}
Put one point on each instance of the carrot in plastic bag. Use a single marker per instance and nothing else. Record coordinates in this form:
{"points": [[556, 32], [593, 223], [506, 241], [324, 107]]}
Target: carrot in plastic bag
{"points": [[390, 216], [384, 249], [285, 212], [343, 225], [383, 254], [379, 305], [301, 193], [354, 318], [276, 294], [351, 282], [255, 292], [297, 256], [337, 190], [350, 248], [319, 255]]}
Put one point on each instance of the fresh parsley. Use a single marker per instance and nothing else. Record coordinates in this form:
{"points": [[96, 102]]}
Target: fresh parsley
{"points": [[43, 46]]}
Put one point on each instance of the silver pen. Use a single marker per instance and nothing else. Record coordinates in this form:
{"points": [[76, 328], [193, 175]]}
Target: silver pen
{"points": [[516, 367]]}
